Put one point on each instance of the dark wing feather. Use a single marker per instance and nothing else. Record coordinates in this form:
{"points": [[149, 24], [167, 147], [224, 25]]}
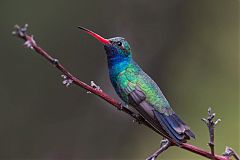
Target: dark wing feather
{"points": [[177, 130], [187, 129], [169, 125], [138, 100]]}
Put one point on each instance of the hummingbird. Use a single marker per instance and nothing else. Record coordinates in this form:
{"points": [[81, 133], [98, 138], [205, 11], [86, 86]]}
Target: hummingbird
{"points": [[139, 90]]}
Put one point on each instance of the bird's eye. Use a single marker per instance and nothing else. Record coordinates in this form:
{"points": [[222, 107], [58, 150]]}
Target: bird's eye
{"points": [[119, 43]]}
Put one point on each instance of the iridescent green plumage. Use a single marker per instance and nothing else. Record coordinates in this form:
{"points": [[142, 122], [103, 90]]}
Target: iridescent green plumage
{"points": [[133, 76]]}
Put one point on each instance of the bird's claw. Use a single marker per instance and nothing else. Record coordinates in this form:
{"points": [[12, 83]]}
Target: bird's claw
{"points": [[138, 118], [123, 105], [66, 81]]}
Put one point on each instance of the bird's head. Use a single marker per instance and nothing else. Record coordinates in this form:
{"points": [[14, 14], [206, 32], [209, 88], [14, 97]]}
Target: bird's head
{"points": [[115, 47]]}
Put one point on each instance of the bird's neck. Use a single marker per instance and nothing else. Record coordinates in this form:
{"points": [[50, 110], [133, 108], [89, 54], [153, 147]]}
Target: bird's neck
{"points": [[117, 64]]}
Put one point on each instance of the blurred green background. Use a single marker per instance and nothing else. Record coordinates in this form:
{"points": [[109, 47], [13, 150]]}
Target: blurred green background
{"points": [[189, 47]]}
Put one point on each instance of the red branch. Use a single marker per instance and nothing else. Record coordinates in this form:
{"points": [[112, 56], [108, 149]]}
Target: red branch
{"points": [[30, 43]]}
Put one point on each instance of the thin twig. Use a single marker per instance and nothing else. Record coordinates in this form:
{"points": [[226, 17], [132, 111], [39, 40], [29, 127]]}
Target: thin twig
{"points": [[69, 78], [230, 152], [211, 125], [165, 144]]}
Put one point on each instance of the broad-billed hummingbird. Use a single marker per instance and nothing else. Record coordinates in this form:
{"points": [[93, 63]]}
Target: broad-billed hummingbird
{"points": [[138, 90]]}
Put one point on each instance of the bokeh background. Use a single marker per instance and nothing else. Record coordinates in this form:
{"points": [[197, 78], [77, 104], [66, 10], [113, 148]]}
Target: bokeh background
{"points": [[189, 47]]}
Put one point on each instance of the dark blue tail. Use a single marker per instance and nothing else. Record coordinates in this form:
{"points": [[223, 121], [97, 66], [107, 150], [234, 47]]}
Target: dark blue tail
{"points": [[175, 127]]}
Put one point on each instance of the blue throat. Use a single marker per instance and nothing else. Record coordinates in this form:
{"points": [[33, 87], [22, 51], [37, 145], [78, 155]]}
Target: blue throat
{"points": [[117, 64], [117, 60]]}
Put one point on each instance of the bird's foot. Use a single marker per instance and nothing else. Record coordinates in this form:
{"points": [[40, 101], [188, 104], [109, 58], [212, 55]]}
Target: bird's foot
{"points": [[123, 105], [138, 118], [165, 143]]}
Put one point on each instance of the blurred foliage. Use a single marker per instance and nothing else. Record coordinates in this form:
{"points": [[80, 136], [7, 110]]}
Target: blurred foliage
{"points": [[190, 48]]}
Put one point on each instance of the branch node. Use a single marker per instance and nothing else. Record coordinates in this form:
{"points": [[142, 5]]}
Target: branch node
{"points": [[66, 81], [211, 125], [29, 42], [230, 152], [94, 86], [55, 62], [20, 31]]}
